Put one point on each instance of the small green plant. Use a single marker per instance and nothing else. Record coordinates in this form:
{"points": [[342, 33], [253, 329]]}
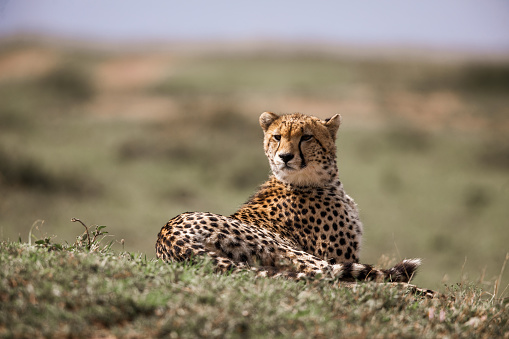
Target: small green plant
{"points": [[44, 242], [88, 241], [91, 242]]}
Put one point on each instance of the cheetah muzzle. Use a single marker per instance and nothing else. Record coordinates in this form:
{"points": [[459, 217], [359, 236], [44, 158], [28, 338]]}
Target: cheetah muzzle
{"points": [[299, 223]]}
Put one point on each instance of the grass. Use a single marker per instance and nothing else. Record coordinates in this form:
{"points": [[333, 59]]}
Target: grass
{"points": [[86, 289], [422, 150], [315, 76]]}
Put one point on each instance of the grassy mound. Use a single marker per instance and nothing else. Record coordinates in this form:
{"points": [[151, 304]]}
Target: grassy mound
{"points": [[88, 290]]}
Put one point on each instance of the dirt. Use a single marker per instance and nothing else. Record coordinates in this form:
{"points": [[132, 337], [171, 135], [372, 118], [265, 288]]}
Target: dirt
{"points": [[26, 63]]}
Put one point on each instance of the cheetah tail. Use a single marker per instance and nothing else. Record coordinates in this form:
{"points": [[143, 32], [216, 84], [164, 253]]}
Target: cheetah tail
{"points": [[403, 271]]}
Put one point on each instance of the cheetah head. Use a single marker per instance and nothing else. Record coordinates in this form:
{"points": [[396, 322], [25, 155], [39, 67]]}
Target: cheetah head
{"points": [[301, 149]]}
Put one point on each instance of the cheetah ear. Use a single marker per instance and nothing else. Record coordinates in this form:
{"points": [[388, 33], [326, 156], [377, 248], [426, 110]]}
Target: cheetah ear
{"points": [[332, 125], [266, 119]]}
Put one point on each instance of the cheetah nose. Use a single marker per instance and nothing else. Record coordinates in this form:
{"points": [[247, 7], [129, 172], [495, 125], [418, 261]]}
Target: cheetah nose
{"points": [[286, 157]]}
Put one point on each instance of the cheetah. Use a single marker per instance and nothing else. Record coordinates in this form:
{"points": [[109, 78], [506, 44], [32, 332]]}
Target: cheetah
{"points": [[300, 223]]}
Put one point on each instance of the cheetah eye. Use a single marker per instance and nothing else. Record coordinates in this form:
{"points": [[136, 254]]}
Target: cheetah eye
{"points": [[277, 137], [306, 137]]}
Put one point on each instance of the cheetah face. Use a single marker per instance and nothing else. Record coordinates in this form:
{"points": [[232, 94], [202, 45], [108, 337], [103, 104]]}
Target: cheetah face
{"points": [[301, 149]]}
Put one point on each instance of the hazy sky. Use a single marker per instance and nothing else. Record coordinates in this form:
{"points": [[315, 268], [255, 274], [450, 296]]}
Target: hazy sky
{"points": [[451, 24]]}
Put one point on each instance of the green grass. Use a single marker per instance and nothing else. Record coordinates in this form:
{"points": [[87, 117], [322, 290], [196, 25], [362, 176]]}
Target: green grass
{"points": [[69, 291], [436, 201], [223, 76], [427, 186]]}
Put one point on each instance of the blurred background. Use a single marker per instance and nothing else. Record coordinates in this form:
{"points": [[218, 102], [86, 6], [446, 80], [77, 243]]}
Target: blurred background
{"points": [[127, 113]]}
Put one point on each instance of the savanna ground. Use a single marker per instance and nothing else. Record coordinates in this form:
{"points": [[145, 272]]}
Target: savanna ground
{"points": [[130, 139]]}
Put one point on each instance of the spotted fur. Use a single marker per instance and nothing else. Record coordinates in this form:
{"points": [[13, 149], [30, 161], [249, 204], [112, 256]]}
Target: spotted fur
{"points": [[299, 223]]}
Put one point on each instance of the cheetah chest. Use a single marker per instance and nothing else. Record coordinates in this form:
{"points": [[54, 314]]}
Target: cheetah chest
{"points": [[322, 222]]}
